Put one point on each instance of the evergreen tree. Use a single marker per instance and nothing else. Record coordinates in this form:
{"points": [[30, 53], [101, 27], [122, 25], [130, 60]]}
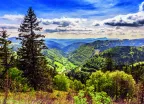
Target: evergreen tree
{"points": [[109, 62], [31, 60], [6, 62], [6, 56]]}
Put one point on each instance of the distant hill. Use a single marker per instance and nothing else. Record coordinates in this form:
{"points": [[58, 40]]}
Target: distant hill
{"points": [[72, 47], [66, 42], [52, 44], [120, 55], [65, 45], [125, 54], [69, 45], [88, 50]]}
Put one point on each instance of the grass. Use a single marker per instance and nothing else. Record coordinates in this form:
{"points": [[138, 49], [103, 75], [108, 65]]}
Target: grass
{"points": [[57, 97]]}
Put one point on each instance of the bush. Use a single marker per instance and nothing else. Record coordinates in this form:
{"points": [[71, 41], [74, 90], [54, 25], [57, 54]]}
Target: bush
{"points": [[61, 82], [80, 98], [100, 98], [100, 81], [95, 97], [116, 84], [77, 85], [18, 83], [123, 84]]}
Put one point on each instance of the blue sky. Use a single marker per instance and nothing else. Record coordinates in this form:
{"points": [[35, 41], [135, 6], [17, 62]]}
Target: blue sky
{"points": [[78, 18], [70, 8]]}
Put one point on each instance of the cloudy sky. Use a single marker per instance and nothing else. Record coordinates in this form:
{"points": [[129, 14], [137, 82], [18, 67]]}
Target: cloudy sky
{"points": [[122, 19]]}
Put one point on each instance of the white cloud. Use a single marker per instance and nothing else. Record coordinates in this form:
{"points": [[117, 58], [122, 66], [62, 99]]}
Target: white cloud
{"points": [[63, 22], [12, 17], [130, 20], [66, 25], [141, 7], [134, 20], [9, 26]]}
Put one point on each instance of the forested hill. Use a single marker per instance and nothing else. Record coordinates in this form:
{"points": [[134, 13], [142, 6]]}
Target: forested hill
{"points": [[88, 50], [57, 59], [117, 56]]}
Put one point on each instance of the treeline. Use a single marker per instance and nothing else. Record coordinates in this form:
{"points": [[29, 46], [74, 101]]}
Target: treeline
{"points": [[97, 81]]}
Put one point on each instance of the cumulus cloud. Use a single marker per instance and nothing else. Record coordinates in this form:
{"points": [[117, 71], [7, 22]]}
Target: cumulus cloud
{"points": [[131, 20], [12, 17], [49, 25], [141, 7], [63, 22], [97, 23], [65, 25], [8, 26]]}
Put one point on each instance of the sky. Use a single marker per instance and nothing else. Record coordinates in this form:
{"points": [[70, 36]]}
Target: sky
{"points": [[123, 19]]}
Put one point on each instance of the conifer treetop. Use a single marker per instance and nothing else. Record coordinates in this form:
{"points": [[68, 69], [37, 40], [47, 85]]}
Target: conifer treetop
{"points": [[30, 23]]}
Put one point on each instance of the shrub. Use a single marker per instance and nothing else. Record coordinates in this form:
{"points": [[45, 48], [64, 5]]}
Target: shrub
{"points": [[61, 82], [100, 98], [18, 83], [80, 98], [77, 85], [116, 84], [123, 84], [100, 81]]}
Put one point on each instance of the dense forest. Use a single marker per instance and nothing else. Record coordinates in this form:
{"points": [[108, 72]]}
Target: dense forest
{"points": [[36, 70]]}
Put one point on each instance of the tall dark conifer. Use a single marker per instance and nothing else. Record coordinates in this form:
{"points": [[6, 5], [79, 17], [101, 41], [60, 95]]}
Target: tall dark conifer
{"points": [[6, 55], [6, 62], [109, 62], [31, 60]]}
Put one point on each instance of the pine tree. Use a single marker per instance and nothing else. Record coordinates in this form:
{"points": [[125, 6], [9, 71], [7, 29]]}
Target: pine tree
{"points": [[7, 58], [109, 62], [31, 60], [6, 61]]}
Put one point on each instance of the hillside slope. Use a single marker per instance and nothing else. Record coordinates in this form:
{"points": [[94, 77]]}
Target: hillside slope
{"points": [[88, 50], [56, 59], [121, 55]]}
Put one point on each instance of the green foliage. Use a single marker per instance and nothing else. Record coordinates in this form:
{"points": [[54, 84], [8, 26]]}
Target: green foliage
{"points": [[80, 99], [137, 71], [118, 83], [77, 85], [61, 82], [78, 75], [115, 58], [5, 53], [86, 51], [123, 84], [79, 56], [95, 63], [124, 55], [100, 98], [100, 81], [96, 97], [58, 60], [18, 83]]}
